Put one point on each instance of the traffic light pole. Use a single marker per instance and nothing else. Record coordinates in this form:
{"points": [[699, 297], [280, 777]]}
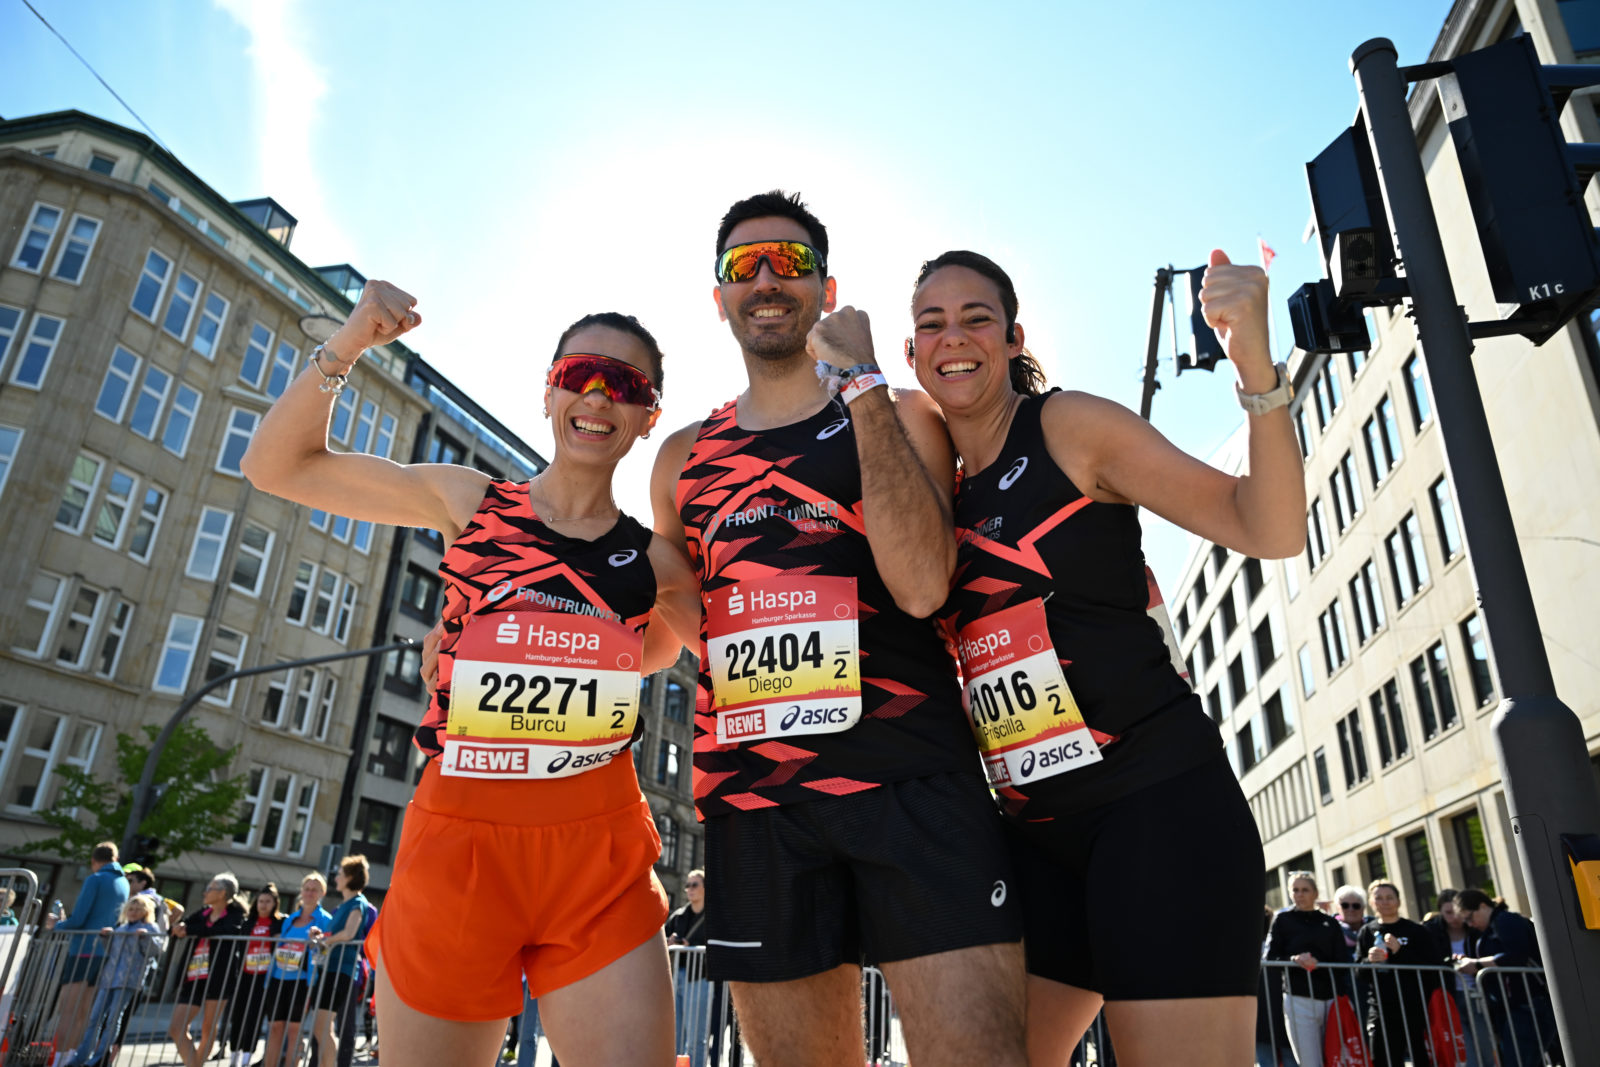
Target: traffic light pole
{"points": [[1550, 787]]}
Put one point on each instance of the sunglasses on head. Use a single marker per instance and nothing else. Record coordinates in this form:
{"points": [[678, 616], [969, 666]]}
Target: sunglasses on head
{"points": [[619, 380], [788, 259]]}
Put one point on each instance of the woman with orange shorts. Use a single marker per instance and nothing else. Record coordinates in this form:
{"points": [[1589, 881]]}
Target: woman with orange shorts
{"points": [[528, 848]]}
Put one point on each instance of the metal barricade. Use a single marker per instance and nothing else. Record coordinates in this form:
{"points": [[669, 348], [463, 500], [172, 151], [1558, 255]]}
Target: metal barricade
{"points": [[132, 999], [1391, 1015]]}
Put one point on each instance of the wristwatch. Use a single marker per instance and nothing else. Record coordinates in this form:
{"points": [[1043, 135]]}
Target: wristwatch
{"points": [[1276, 397]]}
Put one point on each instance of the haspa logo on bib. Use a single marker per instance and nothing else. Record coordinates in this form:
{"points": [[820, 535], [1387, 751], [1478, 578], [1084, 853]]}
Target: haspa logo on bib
{"points": [[509, 632], [735, 601], [1026, 770], [622, 559], [1014, 473], [985, 645], [831, 429]]}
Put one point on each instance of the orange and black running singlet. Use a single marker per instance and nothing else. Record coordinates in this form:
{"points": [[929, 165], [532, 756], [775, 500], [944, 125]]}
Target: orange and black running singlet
{"points": [[539, 665], [812, 681], [1069, 685]]}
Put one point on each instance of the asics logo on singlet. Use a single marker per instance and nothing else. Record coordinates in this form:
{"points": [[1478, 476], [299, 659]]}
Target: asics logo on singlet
{"points": [[985, 645], [1014, 473], [622, 559], [831, 429], [510, 632], [813, 717], [499, 591], [998, 897]]}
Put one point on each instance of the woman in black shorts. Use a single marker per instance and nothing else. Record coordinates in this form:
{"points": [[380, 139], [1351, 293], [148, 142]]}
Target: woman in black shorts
{"points": [[210, 930], [1114, 777]]}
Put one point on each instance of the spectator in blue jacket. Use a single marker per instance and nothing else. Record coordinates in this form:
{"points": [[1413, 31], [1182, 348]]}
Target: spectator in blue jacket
{"points": [[98, 906], [1519, 1004]]}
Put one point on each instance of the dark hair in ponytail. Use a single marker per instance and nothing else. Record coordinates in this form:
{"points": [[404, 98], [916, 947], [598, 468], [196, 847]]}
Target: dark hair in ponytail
{"points": [[1027, 377]]}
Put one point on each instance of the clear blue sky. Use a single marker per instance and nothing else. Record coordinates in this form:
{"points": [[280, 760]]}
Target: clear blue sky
{"points": [[518, 168]]}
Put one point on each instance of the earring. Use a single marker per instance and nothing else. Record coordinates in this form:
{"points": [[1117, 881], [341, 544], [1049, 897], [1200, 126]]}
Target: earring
{"points": [[547, 411]]}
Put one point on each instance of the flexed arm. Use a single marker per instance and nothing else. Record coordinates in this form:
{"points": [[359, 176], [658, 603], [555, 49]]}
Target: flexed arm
{"points": [[907, 472], [289, 455]]}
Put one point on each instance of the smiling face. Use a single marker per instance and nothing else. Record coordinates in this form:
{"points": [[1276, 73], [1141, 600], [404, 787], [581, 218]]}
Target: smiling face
{"points": [[771, 315], [959, 336], [590, 426]]}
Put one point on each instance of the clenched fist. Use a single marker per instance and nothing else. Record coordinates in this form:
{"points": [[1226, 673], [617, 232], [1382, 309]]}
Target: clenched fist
{"points": [[384, 312], [842, 339], [1233, 299]]}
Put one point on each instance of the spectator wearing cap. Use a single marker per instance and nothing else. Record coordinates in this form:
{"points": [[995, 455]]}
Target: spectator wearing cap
{"points": [[98, 906]]}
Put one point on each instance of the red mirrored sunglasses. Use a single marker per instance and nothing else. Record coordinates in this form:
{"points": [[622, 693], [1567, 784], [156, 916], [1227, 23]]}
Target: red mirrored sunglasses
{"points": [[619, 380]]}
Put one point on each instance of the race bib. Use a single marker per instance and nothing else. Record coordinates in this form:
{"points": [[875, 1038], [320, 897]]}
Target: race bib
{"points": [[785, 657], [1017, 700], [199, 962], [257, 960], [540, 694], [290, 955]]}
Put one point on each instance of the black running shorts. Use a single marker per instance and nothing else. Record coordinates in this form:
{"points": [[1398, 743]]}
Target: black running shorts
{"points": [[1108, 894], [890, 873]]}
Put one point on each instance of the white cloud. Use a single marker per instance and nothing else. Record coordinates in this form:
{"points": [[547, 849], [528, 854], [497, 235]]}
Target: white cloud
{"points": [[289, 90]]}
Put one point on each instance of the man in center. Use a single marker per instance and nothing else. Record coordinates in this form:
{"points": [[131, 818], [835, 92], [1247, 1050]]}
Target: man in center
{"points": [[846, 816]]}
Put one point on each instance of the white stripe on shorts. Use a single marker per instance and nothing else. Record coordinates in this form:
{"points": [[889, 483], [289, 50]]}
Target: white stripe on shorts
{"points": [[733, 944]]}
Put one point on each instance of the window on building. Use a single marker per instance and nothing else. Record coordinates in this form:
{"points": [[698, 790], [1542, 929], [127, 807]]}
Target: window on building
{"points": [[389, 749], [1375, 865], [444, 449], [1254, 578], [1417, 392], [250, 561], [33, 359], [10, 440], [83, 479], [374, 833], [147, 524], [677, 704], [1477, 649], [1208, 643], [1388, 724], [1278, 715], [1238, 681], [117, 385], [1443, 691], [36, 238], [283, 364], [250, 813], [1472, 852], [83, 612], [305, 804], [241, 427], [1444, 518], [1382, 439], [1326, 393], [113, 639], [322, 600], [1317, 533], [1250, 746], [177, 654], [330, 689], [10, 322], [667, 827], [305, 697], [1324, 782], [1419, 861], [1352, 750], [180, 309], [1308, 677], [277, 812], [152, 284], [101, 163], [403, 671], [1302, 431], [1335, 638], [1367, 595], [347, 612], [1230, 615], [1267, 645], [225, 656], [39, 616], [180, 419], [667, 764], [210, 541], [1345, 489], [213, 313], [419, 594], [41, 734], [149, 401], [272, 706], [256, 352], [73, 257], [343, 418], [1214, 703], [1408, 563]]}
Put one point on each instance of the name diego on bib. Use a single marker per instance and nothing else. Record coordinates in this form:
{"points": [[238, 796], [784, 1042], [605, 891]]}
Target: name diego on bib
{"points": [[540, 694], [785, 657], [1017, 700]]}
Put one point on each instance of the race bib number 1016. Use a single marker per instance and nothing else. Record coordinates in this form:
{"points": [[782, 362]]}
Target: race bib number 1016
{"points": [[1017, 700], [785, 657]]}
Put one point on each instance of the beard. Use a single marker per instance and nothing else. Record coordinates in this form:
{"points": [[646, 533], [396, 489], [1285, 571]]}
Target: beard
{"points": [[773, 346]]}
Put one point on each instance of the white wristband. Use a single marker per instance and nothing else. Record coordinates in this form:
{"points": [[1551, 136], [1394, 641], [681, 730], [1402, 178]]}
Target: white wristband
{"points": [[860, 384]]}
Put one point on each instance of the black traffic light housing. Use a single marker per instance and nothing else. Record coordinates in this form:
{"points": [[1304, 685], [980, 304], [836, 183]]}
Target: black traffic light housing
{"points": [[1324, 323], [1347, 211], [1525, 182], [1205, 351]]}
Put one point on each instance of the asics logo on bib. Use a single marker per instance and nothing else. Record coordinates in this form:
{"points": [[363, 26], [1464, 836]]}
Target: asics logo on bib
{"points": [[579, 761], [813, 717], [1050, 757], [831, 429], [622, 559], [998, 897], [1014, 473], [1026, 770], [985, 645], [510, 632]]}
